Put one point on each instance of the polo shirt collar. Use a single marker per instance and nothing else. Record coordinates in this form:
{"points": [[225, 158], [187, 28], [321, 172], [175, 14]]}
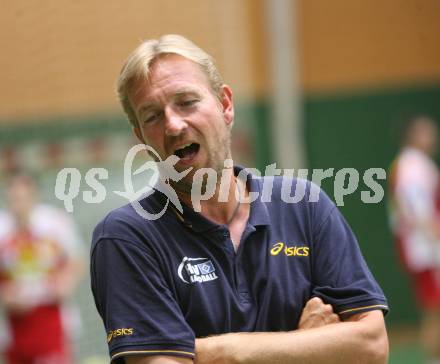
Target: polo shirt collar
{"points": [[258, 215]]}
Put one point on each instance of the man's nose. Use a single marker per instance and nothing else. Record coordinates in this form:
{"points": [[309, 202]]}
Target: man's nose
{"points": [[174, 123]]}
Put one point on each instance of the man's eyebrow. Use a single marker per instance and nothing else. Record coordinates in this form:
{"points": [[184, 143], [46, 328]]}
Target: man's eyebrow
{"points": [[184, 92], [145, 108]]}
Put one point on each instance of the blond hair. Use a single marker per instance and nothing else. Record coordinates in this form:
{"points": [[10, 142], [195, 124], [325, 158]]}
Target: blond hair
{"points": [[137, 66]]}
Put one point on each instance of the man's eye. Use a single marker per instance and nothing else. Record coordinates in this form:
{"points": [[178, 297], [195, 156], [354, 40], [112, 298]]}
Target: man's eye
{"points": [[152, 117], [188, 103]]}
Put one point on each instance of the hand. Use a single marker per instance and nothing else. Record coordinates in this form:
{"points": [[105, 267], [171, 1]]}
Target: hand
{"points": [[12, 300], [316, 314], [64, 281]]}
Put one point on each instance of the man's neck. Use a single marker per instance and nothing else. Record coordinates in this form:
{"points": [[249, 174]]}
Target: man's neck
{"points": [[224, 203], [420, 148], [226, 207], [22, 221]]}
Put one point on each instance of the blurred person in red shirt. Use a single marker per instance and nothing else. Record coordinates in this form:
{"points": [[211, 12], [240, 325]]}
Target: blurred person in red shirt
{"points": [[415, 219], [40, 267]]}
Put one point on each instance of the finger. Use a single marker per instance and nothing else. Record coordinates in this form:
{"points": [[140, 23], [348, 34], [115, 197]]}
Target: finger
{"points": [[315, 302], [328, 309], [333, 318]]}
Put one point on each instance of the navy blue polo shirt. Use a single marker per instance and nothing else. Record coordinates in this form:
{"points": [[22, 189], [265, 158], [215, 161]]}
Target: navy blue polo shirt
{"points": [[160, 284]]}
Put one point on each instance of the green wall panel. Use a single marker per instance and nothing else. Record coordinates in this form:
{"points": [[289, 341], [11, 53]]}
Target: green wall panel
{"points": [[361, 131], [62, 128]]}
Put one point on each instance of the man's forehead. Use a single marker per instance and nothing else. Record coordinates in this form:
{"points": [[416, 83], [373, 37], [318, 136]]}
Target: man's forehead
{"points": [[172, 76], [174, 67]]}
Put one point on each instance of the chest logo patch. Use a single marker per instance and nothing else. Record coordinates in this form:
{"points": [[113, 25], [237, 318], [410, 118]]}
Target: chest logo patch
{"points": [[290, 251], [193, 270]]}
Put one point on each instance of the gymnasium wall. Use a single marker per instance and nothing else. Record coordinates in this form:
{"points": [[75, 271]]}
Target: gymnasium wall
{"points": [[362, 65], [63, 57], [60, 61], [365, 66]]}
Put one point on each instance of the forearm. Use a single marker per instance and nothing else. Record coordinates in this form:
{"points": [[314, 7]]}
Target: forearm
{"points": [[346, 342], [156, 359], [65, 280]]}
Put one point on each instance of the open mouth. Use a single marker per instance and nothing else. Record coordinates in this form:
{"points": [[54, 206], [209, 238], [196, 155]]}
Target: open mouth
{"points": [[187, 151]]}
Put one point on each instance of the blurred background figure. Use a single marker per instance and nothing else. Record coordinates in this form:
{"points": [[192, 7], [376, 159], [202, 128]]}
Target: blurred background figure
{"points": [[40, 268], [415, 218]]}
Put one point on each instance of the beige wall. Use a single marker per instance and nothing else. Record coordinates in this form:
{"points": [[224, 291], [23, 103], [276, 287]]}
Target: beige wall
{"points": [[62, 57], [369, 43]]}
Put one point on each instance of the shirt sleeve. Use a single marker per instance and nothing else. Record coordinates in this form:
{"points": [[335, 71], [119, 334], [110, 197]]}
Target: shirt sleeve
{"points": [[416, 187], [54, 223], [341, 276], [416, 202], [140, 313]]}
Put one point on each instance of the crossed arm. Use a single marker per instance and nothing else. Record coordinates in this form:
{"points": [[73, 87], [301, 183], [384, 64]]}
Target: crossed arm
{"points": [[321, 338]]}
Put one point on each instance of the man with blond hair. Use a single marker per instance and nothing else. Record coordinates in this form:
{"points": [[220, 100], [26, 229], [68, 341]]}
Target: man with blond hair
{"points": [[242, 279]]}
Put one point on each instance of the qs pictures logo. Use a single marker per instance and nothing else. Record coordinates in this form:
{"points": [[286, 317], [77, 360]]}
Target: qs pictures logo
{"points": [[290, 251]]}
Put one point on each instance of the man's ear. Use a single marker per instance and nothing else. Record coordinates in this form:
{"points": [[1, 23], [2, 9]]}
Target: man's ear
{"points": [[227, 104]]}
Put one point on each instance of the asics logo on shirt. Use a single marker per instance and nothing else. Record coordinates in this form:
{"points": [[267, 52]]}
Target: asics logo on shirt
{"points": [[290, 251], [119, 332], [196, 270]]}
